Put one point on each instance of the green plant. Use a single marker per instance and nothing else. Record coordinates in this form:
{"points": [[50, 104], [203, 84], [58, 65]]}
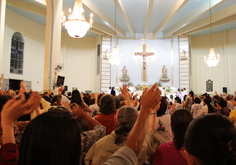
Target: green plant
{"points": [[159, 84], [130, 84], [138, 87], [168, 89]]}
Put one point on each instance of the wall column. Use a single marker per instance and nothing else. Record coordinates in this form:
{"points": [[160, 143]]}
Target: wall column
{"points": [[2, 27], [53, 42]]}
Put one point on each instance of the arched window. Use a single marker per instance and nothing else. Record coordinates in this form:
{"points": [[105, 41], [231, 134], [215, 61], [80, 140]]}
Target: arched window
{"points": [[17, 53]]}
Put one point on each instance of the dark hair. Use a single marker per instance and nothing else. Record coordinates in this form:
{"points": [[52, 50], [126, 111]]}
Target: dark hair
{"points": [[113, 92], [180, 120], [163, 107], [222, 103], [178, 100], [117, 100], [3, 100], [212, 140], [192, 95], [126, 118], [51, 138], [76, 98], [197, 100], [207, 100], [107, 104]]}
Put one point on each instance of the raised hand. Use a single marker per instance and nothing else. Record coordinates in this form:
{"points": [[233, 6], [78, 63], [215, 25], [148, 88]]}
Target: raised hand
{"points": [[151, 98], [60, 90], [13, 110], [124, 90]]}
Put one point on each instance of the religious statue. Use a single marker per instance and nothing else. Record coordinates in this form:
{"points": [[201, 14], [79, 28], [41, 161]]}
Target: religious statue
{"points": [[124, 76], [164, 76], [183, 55]]}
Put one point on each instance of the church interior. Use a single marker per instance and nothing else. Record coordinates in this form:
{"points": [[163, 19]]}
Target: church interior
{"points": [[113, 82], [177, 33]]}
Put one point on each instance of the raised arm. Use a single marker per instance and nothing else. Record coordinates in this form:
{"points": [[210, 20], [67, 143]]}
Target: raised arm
{"points": [[80, 114], [149, 101], [153, 120], [23, 86], [13, 110], [124, 90]]}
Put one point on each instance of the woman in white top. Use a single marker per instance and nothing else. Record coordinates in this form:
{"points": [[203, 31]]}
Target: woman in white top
{"points": [[196, 107]]}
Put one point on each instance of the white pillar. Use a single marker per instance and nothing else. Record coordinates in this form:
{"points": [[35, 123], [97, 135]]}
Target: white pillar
{"points": [[2, 27], [53, 42]]}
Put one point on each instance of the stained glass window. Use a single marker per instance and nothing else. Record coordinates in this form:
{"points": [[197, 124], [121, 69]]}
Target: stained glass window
{"points": [[17, 54]]}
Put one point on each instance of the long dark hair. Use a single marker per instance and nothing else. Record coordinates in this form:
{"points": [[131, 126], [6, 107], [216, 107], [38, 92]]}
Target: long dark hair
{"points": [[76, 98], [52, 138], [211, 138], [207, 100], [192, 95], [180, 120]]}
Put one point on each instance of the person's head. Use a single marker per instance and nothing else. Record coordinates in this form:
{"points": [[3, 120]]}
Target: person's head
{"points": [[191, 93], [117, 100], [211, 140], [107, 104], [228, 97], [51, 138], [180, 120], [3, 100], [184, 89], [76, 98], [197, 100], [63, 92], [222, 103], [11, 93], [163, 107], [177, 100], [121, 97], [126, 117], [69, 94]]}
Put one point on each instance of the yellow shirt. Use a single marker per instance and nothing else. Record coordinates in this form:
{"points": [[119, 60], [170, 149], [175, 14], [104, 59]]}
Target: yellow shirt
{"points": [[232, 116]]}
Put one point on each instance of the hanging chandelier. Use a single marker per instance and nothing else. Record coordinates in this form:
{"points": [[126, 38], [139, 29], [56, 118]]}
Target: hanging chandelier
{"points": [[211, 60], [114, 57], [76, 25]]}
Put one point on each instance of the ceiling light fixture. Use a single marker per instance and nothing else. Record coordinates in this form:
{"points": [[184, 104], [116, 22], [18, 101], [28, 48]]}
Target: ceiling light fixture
{"points": [[114, 57], [212, 60], [76, 25]]}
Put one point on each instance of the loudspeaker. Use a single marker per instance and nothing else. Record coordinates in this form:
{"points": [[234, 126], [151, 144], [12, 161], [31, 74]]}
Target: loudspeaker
{"points": [[225, 90], [60, 80], [65, 88]]}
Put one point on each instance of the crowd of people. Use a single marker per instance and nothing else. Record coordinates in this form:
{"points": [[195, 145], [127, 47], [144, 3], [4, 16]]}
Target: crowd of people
{"points": [[94, 129]]}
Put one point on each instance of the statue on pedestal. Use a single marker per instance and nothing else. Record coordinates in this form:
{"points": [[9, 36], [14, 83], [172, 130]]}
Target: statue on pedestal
{"points": [[164, 76], [124, 76]]}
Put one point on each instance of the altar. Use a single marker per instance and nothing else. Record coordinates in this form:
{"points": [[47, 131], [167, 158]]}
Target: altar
{"points": [[146, 62], [169, 92]]}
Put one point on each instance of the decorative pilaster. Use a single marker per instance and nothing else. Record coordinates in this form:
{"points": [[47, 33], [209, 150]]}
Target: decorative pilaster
{"points": [[184, 63], [105, 64]]}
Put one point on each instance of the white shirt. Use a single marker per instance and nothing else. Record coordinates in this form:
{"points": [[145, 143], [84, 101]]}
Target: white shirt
{"points": [[203, 111], [196, 108], [164, 132], [109, 91]]}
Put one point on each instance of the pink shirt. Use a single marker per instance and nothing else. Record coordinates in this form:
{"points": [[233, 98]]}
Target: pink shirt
{"points": [[168, 154]]}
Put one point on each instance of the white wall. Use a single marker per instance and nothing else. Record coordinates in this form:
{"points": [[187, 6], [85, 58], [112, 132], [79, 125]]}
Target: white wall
{"points": [[34, 37], [223, 74], [77, 55], [79, 59]]}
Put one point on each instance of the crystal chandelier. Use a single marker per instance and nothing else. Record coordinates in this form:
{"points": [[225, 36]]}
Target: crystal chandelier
{"points": [[114, 57], [212, 60], [76, 25]]}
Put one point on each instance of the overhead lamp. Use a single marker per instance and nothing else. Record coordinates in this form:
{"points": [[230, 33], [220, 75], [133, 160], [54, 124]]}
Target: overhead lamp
{"points": [[212, 60], [76, 25], [114, 57]]}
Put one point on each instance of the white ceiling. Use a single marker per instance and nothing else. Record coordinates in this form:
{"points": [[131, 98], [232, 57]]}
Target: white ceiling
{"points": [[136, 12]]}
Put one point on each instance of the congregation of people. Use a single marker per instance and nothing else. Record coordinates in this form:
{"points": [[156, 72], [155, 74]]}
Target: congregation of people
{"points": [[94, 129]]}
